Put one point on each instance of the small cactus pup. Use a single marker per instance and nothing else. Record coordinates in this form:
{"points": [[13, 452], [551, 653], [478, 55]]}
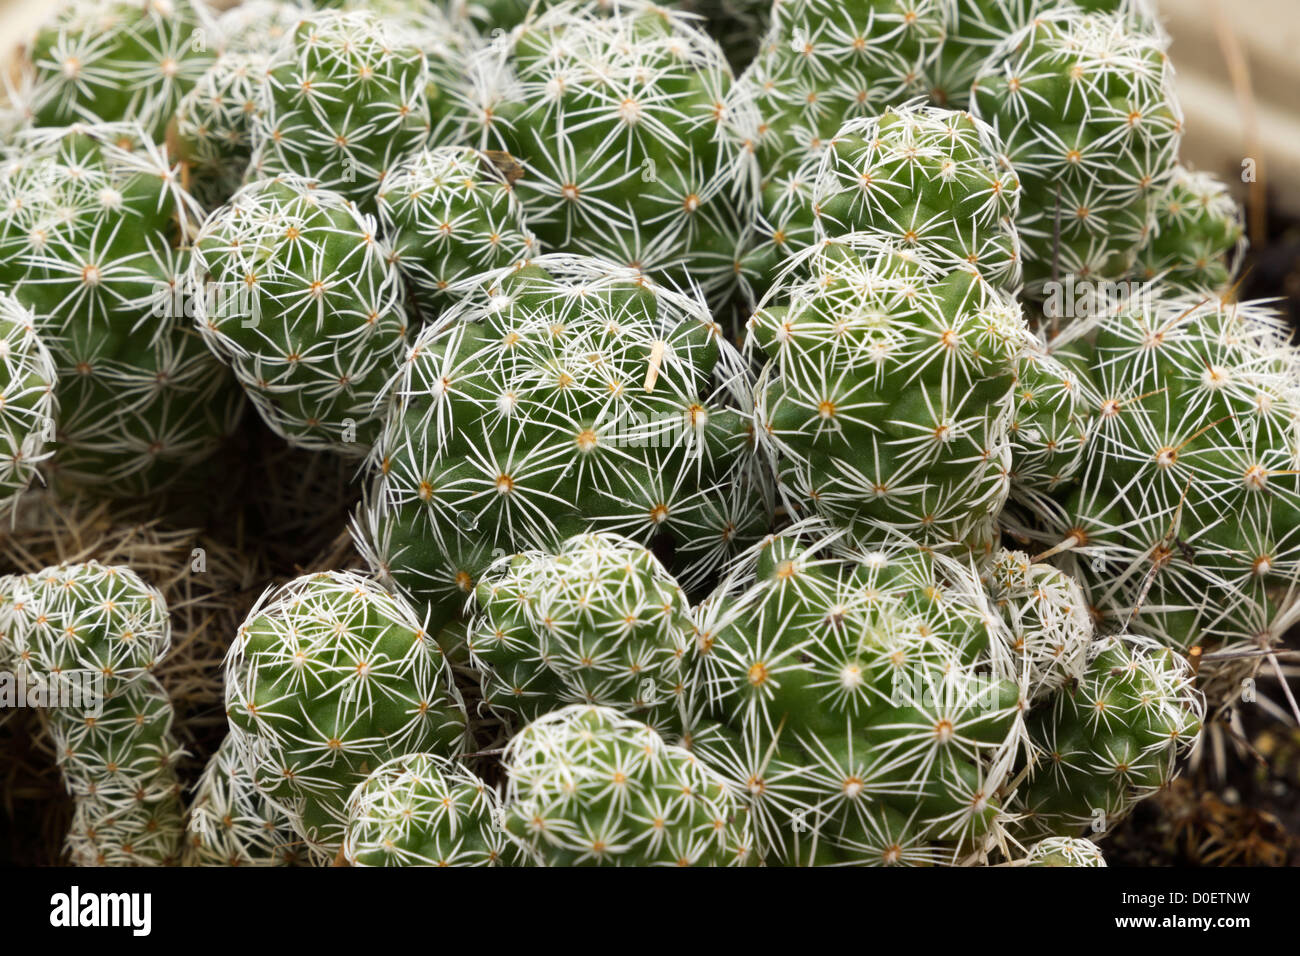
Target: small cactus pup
{"points": [[346, 96], [212, 126], [1198, 239], [119, 763], [599, 621], [104, 61], [1182, 523], [571, 395], [426, 810], [1050, 421], [821, 64], [630, 137], [886, 397], [449, 215], [591, 787], [329, 677], [929, 181], [87, 636], [94, 243], [1047, 614], [868, 703], [295, 290], [211, 131], [1111, 740], [27, 401], [1085, 108], [231, 823], [1063, 851], [974, 28], [76, 623]]}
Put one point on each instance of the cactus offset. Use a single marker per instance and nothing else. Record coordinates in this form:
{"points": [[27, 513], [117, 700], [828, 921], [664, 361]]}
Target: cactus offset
{"points": [[598, 622], [328, 677], [425, 810], [297, 292], [589, 787]]}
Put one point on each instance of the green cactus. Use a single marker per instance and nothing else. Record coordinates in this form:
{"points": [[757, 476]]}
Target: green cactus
{"points": [[868, 703], [213, 124], [630, 138], [105, 61], [1110, 740], [1047, 614], [81, 622], [27, 403], [887, 393], [449, 215], [231, 824], [1063, 851], [1198, 239], [589, 787], [258, 26], [93, 245], [569, 396], [123, 746], [86, 636], [1050, 421], [212, 127], [598, 622], [296, 291], [1085, 108], [346, 99], [929, 181], [1181, 524], [425, 810], [974, 29], [328, 677], [822, 63]]}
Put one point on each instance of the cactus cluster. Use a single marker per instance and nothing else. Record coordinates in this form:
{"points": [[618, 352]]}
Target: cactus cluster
{"points": [[810, 432], [87, 637], [93, 242]]}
